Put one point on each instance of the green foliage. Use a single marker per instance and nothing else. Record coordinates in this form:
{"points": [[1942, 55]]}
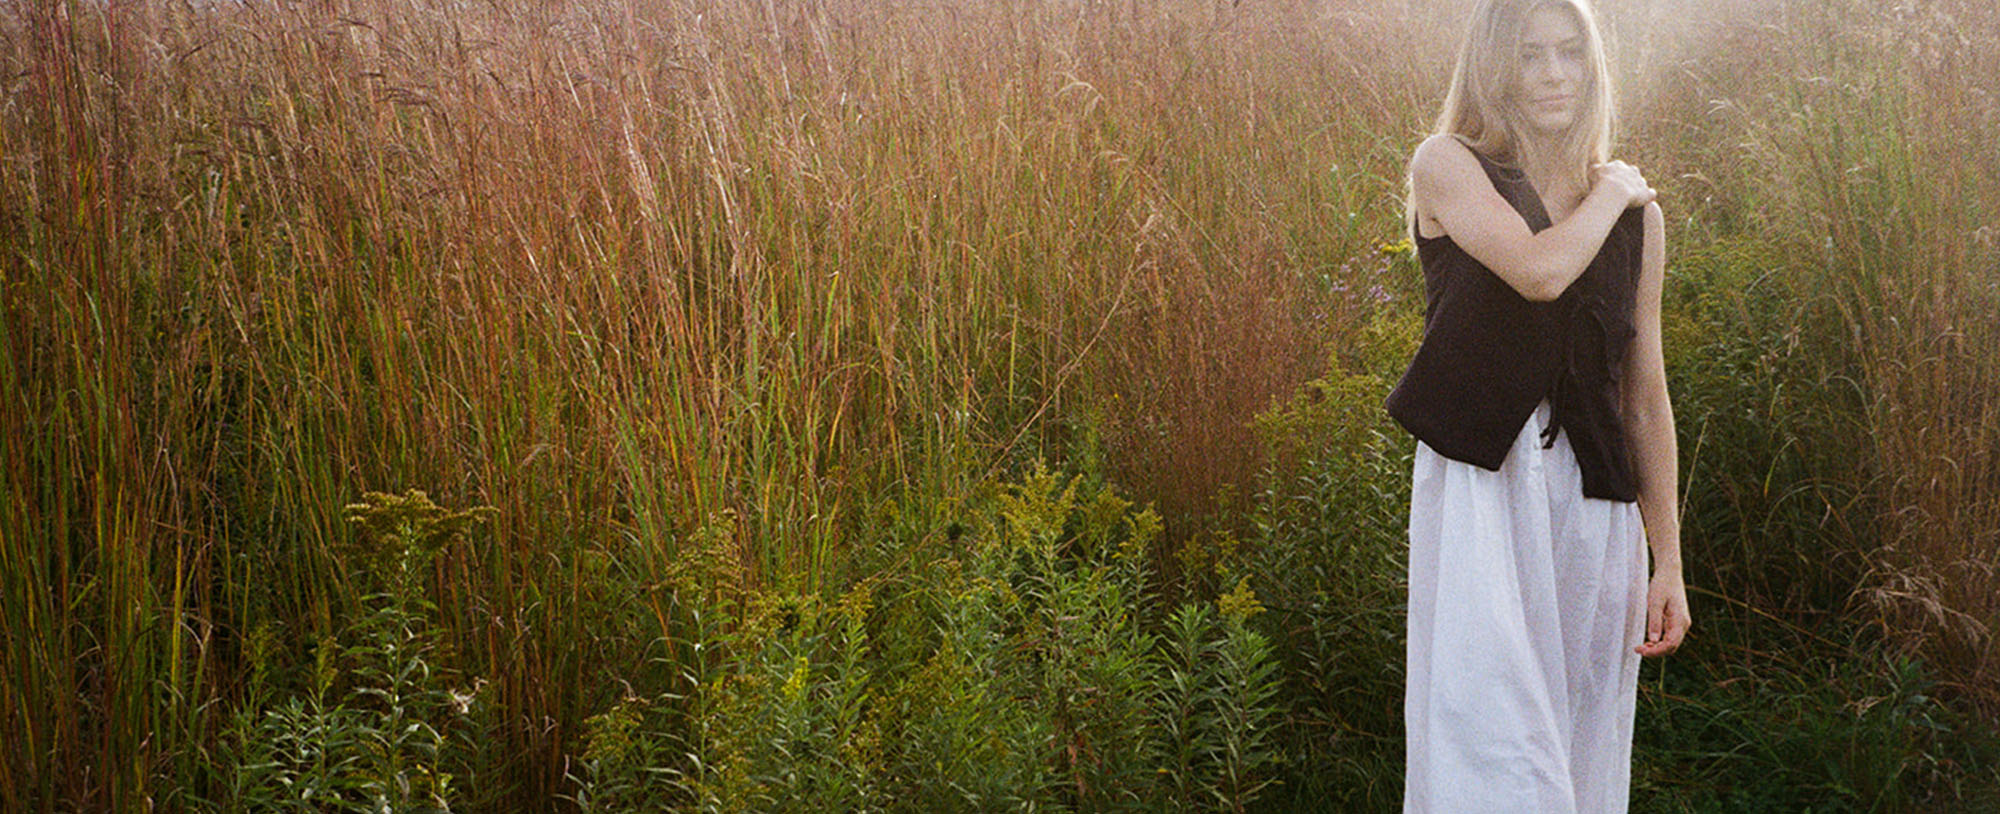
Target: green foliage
{"points": [[1770, 418], [1328, 550], [615, 760], [1854, 734], [969, 736], [1068, 570], [300, 755], [371, 733], [1216, 708], [399, 536], [1071, 601], [1032, 684], [784, 728]]}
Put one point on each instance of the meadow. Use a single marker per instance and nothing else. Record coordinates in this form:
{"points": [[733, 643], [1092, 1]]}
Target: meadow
{"points": [[881, 405]]}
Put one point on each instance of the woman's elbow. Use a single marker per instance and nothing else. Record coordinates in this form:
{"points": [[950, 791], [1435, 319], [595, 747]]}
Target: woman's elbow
{"points": [[1646, 408], [1538, 284]]}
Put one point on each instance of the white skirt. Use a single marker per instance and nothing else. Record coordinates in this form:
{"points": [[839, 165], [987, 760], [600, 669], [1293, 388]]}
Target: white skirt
{"points": [[1526, 601]]}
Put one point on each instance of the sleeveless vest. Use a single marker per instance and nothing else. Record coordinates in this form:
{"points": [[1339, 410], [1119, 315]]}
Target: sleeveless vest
{"points": [[1489, 355]]}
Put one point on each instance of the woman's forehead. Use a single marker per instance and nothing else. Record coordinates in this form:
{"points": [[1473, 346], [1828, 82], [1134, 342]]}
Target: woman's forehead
{"points": [[1548, 26]]}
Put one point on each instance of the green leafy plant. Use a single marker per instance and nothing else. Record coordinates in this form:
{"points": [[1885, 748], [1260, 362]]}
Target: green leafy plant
{"points": [[370, 737], [1216, 708]]}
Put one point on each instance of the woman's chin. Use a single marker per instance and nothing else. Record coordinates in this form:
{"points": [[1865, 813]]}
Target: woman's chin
{"points": [[1551, 126]]}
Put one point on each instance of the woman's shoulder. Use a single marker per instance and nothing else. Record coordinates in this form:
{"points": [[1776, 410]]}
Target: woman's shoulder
{"points": [[1443, 169], [1445, 163], [1444, 153]]}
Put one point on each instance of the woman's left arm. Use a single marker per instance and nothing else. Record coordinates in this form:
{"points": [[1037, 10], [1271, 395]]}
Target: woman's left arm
{"points": [[1649, 423]]}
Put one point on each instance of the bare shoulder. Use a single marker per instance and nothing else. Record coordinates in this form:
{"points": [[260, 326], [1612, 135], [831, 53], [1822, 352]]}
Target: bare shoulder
{"points": [[1445, 177], [1442, 162]]}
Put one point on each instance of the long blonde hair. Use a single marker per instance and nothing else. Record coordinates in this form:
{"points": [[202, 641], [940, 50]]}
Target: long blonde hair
{"points": [[1478, 111]]}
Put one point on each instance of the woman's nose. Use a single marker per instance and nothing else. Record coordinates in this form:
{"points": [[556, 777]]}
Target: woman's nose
{"points": [[1544, 72]]}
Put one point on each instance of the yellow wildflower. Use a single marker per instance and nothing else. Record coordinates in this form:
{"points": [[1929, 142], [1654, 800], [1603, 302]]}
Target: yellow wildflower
{"points": [[1240, 604], [795, 685]]}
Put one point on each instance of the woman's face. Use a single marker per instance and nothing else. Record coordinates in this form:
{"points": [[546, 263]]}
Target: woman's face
{"points": [[1549, 90]]}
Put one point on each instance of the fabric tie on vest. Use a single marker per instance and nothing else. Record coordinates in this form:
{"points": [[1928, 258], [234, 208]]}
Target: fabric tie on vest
{"points": [[1565, 373], [1586, 313], [1577, 313]]}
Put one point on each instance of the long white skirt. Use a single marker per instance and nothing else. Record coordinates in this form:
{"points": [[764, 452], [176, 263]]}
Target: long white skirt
{"points": [[1526, 601]]}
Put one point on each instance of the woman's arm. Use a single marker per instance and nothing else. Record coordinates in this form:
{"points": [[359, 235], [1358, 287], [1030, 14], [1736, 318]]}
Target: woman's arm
{"points": [[1451, 188], [1649, 422]]}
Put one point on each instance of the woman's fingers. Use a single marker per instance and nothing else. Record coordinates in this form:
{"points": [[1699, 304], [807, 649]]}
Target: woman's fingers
{"points": [[1655, 617], [1667, 620], [1626, 179], [1669, 639], [1678, 621]]}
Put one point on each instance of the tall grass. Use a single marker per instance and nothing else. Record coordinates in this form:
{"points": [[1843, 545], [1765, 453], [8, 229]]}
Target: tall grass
{"points": [[771, 290], [1924, 254], [1860, 193], [622, 272]]}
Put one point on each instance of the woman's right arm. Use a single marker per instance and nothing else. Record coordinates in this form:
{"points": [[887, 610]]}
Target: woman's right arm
{"points": [[1451, 188]]}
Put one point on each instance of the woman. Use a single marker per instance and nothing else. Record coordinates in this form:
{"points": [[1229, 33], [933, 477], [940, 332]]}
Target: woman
{"points": [[1545, 461]]}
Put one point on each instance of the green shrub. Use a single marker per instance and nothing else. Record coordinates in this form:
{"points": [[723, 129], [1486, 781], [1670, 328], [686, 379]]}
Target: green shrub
{"points": [[1852, 732], [372, 737], [624, 767], [968, 736], [1021, 676], [785, 729], [1216, 708], [1327, 551]]}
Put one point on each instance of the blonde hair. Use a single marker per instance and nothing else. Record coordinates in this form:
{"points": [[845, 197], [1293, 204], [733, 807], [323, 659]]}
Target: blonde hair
{"points": [[1478, 108]]}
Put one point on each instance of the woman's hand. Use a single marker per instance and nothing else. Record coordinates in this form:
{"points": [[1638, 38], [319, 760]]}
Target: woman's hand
{"points": [[1622, 181], [1666, 613]]}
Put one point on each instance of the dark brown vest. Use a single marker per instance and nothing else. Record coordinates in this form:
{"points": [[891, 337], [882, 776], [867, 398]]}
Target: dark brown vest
{"points": [[1490, 355]]}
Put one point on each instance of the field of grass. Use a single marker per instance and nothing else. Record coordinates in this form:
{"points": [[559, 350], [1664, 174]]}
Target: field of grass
{"points": [[925, 406]]}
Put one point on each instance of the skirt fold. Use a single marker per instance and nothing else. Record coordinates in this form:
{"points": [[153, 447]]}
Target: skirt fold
{"points": [[1526, 600]]}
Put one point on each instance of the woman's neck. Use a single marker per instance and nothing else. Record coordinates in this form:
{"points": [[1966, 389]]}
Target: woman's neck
{"points": [[1559, 184]]}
